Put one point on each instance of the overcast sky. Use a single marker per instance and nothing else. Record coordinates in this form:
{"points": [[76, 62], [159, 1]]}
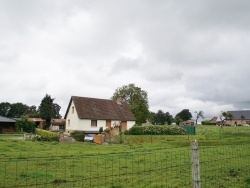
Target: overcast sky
{"points": [[187, 54]]}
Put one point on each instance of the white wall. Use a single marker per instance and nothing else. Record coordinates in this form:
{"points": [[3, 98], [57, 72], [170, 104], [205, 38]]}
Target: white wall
{"points": [[130, 124]]}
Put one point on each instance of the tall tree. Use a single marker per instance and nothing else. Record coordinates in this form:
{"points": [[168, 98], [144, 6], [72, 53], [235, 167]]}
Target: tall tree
{"points": [[4, 108], [48, 109], [45, 109], [169, 118], [184, 115], [33, 112], [161, 118], [136, 98], [55, 111], [198, 115]]}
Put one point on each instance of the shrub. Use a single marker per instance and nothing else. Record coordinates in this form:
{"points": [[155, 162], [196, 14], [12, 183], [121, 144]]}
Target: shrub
{"points": [[126, 132], [78, 135], [47, 135], [206, 122], [25, 125], [135, 130], [156, 130], [100, 130]]}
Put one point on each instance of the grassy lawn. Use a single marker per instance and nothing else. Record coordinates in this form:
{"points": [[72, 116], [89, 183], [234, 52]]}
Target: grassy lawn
{"points": [[15, 147], [143, 161]]}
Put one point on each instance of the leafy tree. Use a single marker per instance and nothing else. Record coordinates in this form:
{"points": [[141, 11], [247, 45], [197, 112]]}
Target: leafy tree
{"points": [[48, 109], [25, 125], [198, 115], [184, 115], [55, 111], [4, 108], [161, 118], [33, 112], [17, 110], [177, 120], [136, 98], [169, 118], [151, 117], [224, 116]]}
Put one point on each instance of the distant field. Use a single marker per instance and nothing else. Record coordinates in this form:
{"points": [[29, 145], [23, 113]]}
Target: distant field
{"points": [[142, 161], [12, 146]]}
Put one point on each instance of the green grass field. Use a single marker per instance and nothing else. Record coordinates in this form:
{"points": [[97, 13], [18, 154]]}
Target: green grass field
{"points": [[142, 161]]}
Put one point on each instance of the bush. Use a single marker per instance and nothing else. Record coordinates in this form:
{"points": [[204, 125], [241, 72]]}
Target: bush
{"points": [[126, 132], [156, 130], [78, 135], [47, 135], [100, 130], [25, 125], [206, 122]]}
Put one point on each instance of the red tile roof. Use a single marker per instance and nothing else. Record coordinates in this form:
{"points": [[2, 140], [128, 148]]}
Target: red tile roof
{"points": [[101, 109]]}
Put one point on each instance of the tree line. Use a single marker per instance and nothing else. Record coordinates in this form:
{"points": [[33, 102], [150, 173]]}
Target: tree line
{"points": [[46, 110], [135, 97]]}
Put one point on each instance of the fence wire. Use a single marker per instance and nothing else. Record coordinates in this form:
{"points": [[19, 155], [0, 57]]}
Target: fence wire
{"points": [[222, 166]]}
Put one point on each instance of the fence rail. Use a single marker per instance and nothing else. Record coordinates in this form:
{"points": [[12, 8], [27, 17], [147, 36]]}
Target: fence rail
{"points": [[222, 166]]}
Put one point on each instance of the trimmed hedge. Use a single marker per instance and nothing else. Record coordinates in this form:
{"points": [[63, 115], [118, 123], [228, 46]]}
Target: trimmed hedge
{"points": [[208, 123], [156, 130], [78, 135], [47, 135]]}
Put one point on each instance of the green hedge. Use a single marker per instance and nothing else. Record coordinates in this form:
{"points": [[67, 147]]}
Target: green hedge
{"points": [[78, 135], [47, 135], [208, 123], [156, 130]]}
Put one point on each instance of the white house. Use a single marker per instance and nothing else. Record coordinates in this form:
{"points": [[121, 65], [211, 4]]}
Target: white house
{"points": [[89, 114]]}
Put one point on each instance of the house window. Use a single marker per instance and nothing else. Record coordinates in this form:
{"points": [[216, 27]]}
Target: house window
{"points": [[93, 123], [68, 122], [73, 109]]}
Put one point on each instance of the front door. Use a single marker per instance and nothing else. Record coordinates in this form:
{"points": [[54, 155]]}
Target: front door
{"points": [[124, 126], [108, 124]]}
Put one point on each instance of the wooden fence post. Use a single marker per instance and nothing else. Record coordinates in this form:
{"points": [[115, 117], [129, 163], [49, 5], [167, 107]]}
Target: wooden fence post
{"points": [[195, 165]]}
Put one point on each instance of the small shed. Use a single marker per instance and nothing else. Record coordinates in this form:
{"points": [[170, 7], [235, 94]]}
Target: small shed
{"points": [[57, 124], [38, 121], [187, 123], [7, 125]]}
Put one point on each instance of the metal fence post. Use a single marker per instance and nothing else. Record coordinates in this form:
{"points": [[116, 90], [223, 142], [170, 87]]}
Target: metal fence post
{"points": [[195, 165]]}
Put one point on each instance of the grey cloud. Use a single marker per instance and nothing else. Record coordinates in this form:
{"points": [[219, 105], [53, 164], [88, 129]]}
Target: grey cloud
{"points": [[124, 64], [185, 54]]}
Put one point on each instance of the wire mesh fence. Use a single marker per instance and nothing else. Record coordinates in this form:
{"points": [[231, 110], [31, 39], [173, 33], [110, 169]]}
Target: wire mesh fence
{"points": [[220, 166], [225, 167], [161, 169]]}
